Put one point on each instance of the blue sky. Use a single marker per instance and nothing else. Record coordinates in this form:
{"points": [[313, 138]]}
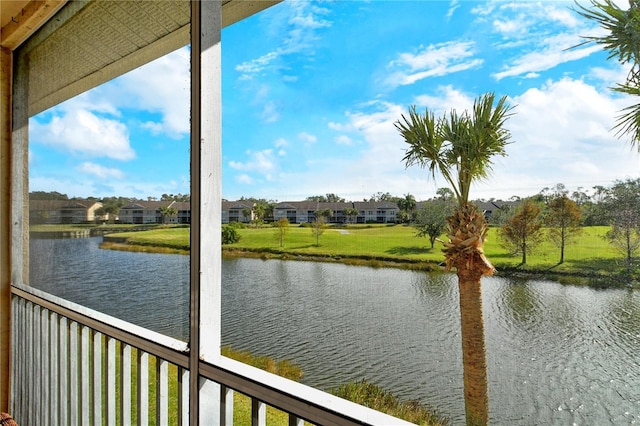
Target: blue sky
{"points": [[311, 91]]}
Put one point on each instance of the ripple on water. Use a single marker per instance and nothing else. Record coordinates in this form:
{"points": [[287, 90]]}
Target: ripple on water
{"points": [[557, 354]]}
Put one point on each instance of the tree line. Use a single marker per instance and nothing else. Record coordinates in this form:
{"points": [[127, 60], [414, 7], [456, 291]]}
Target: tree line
{"points": [[554, 214]]}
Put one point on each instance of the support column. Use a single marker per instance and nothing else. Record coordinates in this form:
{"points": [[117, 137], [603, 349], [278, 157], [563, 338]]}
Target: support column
{"points": [[206, 197], [6, 58]]}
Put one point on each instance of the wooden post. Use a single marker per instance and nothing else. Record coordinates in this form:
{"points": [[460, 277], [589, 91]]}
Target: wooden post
{"points": [[6, 59], [206, 198]]}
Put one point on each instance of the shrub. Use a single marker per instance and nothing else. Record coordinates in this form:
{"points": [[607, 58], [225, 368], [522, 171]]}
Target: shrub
{"points": [[230, 235]]}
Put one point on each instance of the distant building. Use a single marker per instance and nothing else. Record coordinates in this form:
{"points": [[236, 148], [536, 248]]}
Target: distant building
{"points": [[305, 211], [148, 212], [237, 211], [63, 211]]}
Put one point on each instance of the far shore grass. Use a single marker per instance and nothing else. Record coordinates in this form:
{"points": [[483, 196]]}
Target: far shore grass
{"points": [[590, 256]]}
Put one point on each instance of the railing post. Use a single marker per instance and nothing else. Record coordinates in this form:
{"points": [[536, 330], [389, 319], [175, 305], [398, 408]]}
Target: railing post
{"points": [[63, 371], [85, 393], [45, 370], [258, 413], [97, 378], [143, 388], [226, 406], [125, 384], [183, 396], [73, 374], [162, 392], [110, 411], [54, 364]]}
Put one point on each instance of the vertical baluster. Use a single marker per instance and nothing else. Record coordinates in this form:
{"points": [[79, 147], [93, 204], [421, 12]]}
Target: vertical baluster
{"points": [[74, 409], [34, 362], [63, 372], [54, 363], [85, 396], [226, 406], [18, 361], [111, 382], [162, 392], [143, 388], [295, 421], [183, 396], [44, 366], [258, 413], [125, 384], [97, 378]]}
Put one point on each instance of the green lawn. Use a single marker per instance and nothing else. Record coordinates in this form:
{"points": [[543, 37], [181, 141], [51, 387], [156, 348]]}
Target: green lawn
{"points": [[589, 254]]}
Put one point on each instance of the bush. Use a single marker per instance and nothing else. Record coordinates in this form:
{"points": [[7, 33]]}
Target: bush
{"points": [[230, 235]]}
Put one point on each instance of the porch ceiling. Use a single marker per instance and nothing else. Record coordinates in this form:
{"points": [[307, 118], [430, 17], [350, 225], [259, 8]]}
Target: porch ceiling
{"points": [[91, 42]]}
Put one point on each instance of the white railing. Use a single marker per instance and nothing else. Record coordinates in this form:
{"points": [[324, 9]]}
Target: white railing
{"points": [[75, 366]]}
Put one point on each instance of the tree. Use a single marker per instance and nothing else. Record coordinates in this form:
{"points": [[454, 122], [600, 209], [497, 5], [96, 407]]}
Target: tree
{"points": [[431, 219], [379, 196], [246, 214], [622, 204], [407, 204], [318, 227], [333, 198], [351, 213], [445, 194], [563, 218], [326, 214], [622, 31], [282, 227], [166, 212], [501, 214], [43, 195], [460, 147], [522, 232], [259, 210]]}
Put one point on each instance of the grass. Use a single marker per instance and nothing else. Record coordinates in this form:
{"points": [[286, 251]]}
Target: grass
{"points": [[375, 397], [590, 255]]}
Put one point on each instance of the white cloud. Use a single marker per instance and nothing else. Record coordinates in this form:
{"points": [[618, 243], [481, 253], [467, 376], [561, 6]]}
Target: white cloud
{"points": [[81, 132], [561, 133], [263, 162], [244, 178], [452, 8], [298, 31], [553, 51], [432, 61], [257, 65], [307, 138], [343, 140], [100, 171], [161, 87], [445, 99], [270, 113]]}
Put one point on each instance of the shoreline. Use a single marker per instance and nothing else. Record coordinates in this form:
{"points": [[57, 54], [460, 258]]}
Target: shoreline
{"points": [[502, 271]]}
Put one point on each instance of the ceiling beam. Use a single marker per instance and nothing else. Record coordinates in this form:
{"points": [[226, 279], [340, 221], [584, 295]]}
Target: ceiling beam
{"points": [[27, 21]]}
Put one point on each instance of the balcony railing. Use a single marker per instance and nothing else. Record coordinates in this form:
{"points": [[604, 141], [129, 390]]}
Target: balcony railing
{"points": [[75, 366]]}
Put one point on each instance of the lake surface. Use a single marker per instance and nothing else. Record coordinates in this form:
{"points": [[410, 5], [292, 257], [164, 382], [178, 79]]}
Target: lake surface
{"points": [[557, 354]]}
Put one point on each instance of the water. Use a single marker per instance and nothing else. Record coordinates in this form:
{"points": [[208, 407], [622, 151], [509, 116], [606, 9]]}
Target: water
{"points": [[556, 354]]}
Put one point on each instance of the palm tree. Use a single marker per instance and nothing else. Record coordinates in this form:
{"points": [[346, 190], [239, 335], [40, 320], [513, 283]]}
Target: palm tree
{"points": [[620, 39], [460, 147]]}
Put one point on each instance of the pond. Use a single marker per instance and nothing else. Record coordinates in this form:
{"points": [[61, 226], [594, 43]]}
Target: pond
{"points": [[556, 354]]}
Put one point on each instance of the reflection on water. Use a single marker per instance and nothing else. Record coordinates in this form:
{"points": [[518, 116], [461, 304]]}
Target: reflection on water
{"points": [[556, 354]]}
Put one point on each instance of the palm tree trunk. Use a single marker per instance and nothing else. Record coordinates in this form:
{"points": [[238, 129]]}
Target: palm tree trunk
{"points": [[476, 393], [467, 229]]}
